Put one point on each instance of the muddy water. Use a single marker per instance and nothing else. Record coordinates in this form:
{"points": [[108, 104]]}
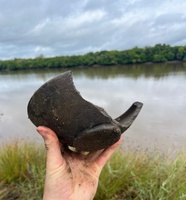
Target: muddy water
{"points": [[162, 88]]}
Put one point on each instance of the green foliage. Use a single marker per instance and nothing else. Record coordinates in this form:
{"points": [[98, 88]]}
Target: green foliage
{"points": [[159, 58], [22, 168], [142, 176], [184, 59], [158, 53], [127, 176]]}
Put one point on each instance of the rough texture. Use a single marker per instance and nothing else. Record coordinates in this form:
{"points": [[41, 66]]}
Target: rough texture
{"points": [[78, 123]]}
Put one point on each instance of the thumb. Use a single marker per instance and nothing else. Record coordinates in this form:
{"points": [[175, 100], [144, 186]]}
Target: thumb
{"points": [[54, 157]]}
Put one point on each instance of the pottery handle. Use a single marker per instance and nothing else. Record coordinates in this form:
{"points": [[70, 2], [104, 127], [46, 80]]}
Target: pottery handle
{"points": [[127, 118]]}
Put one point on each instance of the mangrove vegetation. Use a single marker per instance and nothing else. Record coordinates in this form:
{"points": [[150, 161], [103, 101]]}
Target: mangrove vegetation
{"points": [[156, 54]]}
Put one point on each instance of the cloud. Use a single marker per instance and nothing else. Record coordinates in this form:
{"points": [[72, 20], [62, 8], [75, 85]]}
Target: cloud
{"points": [[58, 27]]}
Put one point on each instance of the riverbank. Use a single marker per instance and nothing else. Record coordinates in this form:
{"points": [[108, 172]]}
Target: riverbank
{"points": [[132, 175]]}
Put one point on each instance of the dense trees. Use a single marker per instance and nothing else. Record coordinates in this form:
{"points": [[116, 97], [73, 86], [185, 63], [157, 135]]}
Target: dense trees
{"points": [[158, 53]]}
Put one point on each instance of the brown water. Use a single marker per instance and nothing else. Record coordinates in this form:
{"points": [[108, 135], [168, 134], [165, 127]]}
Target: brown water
{"points": [[162, 88]]}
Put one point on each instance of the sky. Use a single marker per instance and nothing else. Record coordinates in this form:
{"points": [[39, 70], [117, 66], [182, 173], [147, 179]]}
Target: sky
{"points": [[59, 27]]}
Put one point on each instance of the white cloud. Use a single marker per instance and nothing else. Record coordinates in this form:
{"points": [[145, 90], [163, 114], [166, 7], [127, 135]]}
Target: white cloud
{"points": [[75, 27]]}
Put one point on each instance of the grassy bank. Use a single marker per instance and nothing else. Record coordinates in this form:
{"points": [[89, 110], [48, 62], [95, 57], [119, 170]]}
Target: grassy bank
{"points": [[22, 168], [134, 175]]}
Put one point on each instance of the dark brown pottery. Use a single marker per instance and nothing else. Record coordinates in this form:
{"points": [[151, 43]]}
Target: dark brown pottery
{"points": [[78, 123]]}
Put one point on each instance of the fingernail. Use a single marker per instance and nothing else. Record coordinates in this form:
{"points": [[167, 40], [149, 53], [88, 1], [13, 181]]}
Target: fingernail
{"points": [[41, 132]]}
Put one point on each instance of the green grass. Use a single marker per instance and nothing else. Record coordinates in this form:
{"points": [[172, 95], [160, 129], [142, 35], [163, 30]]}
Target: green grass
{"points": [[22, 169], [128, 176], [141, 176]]}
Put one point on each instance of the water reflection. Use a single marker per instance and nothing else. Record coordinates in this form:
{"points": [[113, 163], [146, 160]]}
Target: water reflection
{"points": [[147, 70], [162, 89]]}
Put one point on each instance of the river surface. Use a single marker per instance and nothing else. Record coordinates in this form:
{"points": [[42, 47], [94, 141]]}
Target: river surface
{"points": [[161, 124]]}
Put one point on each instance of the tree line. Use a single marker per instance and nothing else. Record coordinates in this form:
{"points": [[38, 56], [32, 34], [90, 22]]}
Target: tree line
{"points": [[158, 53]]}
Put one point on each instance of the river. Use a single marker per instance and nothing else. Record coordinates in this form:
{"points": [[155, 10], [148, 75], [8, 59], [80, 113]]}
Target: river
{"points": [[161, 124]]}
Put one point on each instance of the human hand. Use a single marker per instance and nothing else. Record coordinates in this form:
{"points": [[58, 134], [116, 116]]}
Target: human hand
{"points": [[71, 176]]}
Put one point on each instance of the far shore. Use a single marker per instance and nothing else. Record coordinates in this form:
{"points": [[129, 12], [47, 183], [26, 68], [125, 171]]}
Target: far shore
{"points": [[160, 53]]}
